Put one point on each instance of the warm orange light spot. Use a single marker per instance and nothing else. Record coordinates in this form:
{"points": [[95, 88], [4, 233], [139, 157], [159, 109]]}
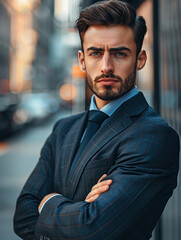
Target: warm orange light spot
{"points": [[77, 73], [3, 147], [68, 92]]}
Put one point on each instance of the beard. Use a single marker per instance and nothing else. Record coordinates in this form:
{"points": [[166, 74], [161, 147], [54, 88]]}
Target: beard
{"points": [[111, 92]]}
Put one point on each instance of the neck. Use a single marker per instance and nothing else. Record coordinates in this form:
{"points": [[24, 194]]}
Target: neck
{"points": [[101, 103]]}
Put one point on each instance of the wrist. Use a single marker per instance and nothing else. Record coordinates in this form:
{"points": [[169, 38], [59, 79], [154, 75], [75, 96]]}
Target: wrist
{"points": [[45, 200]]}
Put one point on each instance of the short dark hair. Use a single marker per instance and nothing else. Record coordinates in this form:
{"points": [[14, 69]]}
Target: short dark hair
{"points": [[110, 13]]}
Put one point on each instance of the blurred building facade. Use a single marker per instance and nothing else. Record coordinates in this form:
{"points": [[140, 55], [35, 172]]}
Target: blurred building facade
{"points": [[38, 50], [26, 29], [4, 49], [161, 83], [170, 97], [33, 44]]}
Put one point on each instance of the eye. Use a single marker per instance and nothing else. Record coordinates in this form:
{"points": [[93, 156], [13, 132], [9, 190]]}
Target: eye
{"points": [[120, 54], [95, 53]]}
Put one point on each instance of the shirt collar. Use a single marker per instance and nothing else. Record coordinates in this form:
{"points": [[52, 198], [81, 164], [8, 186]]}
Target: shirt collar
{"points": [[111, 107]]}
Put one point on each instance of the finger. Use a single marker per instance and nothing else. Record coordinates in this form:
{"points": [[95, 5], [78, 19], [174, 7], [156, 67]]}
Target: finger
{"points": [[100, 179], [98, 191], [92, 199], [101, 184]]}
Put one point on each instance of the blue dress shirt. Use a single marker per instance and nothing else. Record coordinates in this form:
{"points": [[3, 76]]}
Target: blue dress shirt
{"points": [[111, 107]]}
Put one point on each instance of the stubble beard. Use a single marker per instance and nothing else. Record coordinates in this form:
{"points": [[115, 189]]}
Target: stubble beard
{"points": [[110, 92]]}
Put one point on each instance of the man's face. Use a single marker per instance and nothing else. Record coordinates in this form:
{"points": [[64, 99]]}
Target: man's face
{"points": [[110, 61]]}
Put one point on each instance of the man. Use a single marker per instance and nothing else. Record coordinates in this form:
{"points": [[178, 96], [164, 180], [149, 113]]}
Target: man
{"points": [[117, 185]]}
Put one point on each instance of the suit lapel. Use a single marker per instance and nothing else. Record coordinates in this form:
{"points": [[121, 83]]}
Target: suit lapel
{"points": [[119, 121], [72, 142]]}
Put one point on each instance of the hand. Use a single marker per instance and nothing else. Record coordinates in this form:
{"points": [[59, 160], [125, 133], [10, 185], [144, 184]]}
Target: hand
{"points": [[98, 189], [44, 200]]}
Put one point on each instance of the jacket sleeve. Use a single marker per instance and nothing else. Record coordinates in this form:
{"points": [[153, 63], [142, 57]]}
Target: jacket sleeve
{"points": [[144, 176], [39, 184]]}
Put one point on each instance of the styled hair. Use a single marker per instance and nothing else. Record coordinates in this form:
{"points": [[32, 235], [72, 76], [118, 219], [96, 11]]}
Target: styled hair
{"points": [[111, 13]]}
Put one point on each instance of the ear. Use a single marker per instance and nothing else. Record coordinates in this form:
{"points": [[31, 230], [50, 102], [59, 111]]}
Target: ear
{"points": [[141, 60], [82, 61]]}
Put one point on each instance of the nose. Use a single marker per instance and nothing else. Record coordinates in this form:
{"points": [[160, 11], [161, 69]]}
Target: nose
{"points": [[107, 64]]}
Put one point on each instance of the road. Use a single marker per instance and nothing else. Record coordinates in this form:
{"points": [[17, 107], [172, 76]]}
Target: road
{"points": [[18, 156]]}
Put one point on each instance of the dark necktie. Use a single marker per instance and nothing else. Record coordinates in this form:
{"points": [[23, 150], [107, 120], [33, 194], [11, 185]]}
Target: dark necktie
{"points": [[95, 119]]}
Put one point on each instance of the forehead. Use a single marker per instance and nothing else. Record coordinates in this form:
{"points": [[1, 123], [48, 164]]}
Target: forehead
{"points": [[109, 36]]}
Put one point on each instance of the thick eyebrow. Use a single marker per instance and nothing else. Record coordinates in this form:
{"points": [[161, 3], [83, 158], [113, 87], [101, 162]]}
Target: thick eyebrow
{"points": [[94, 49], [117, 49]]}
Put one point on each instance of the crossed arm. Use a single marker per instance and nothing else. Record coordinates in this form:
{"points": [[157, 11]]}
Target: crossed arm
{"points": [[111, 215], [95, 192]]}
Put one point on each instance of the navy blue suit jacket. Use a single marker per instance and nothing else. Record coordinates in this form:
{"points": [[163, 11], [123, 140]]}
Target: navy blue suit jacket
{"points": [[138, 151]]}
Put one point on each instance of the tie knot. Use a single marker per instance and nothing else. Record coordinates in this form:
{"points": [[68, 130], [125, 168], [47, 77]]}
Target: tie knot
{"points": [[97, 116]]}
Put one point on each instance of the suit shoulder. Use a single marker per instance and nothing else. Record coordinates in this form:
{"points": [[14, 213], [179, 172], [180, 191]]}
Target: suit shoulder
{"points": [[152, 127], [154, 119], [152, 116], [152, 124]]}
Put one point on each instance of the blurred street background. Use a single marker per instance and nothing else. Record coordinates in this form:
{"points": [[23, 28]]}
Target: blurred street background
{"points": [[40, 82]]}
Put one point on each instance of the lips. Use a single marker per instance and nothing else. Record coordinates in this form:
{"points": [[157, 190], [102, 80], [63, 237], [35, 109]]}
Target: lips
{"points": [[107, 81]]}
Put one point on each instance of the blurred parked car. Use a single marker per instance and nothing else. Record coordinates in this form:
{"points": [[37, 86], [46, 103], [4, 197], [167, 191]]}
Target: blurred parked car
{"points": [[35, 107], [8, 106]]}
